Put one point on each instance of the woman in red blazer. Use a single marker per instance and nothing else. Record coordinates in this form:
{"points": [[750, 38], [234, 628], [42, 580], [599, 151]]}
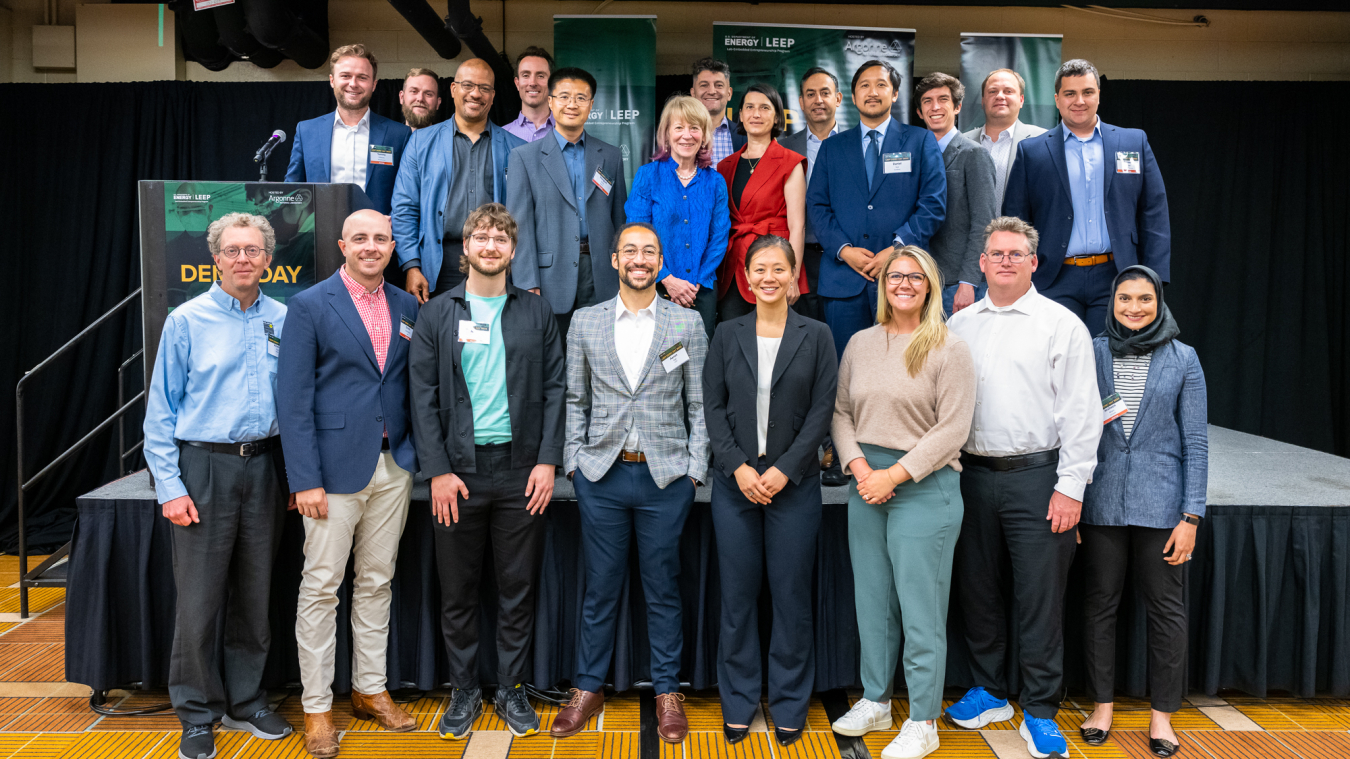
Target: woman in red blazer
{"points": [[766, 186]]}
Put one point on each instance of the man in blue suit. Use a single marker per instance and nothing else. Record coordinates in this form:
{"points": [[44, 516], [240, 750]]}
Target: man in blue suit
{"points": [[448, 171], [876, 187], [342, 382], [1094, 193], [352, 144]]}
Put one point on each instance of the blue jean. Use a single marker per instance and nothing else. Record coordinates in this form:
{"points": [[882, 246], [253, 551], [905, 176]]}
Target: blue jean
{"points": [[949, 295], [847, 317]]}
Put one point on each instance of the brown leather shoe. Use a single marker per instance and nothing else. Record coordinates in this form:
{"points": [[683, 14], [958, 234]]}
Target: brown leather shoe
{"points": [[573, 717], [671, 723], [321, 735], [383, 710]]}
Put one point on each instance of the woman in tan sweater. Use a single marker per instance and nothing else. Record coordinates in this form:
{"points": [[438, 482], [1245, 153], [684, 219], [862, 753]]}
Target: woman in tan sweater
{"points": [[903, 410]]}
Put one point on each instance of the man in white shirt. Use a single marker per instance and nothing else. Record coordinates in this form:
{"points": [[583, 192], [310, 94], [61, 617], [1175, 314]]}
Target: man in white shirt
{"points": [[1030, 456], [1002, 94]]}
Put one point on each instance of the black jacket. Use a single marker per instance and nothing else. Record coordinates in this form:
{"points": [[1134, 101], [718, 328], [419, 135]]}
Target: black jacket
{"points": [[536, 366], [801, 403]]}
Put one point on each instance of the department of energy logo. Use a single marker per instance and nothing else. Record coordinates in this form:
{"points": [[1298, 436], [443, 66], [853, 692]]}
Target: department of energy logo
{"points": [[755, 44], [865, 46]]}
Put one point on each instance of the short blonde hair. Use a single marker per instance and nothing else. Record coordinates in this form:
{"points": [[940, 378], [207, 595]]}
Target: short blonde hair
{"points": [[1021, 83], [424, 72], [218, 227], [932, 331], [692, 112], [1017, 227], [354, 51]]}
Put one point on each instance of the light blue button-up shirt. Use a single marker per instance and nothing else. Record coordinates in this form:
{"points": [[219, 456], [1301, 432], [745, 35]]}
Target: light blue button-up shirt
{"points": [[813, 144], [1086, 162], [214, 380], [946, 140], [574, 156]]}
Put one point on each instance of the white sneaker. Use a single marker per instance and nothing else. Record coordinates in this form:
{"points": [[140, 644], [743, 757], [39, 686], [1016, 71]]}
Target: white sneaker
{"points": [[916, 740], [863, 718]]}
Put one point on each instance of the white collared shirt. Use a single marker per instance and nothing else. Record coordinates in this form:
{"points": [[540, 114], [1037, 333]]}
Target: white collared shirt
{"points": [[351, 151], [1035, 385], [1002, 152], [633, 341]]}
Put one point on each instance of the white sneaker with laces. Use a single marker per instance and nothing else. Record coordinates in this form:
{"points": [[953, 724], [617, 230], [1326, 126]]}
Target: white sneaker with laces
{"points": [[916, 740], [863, 718]]}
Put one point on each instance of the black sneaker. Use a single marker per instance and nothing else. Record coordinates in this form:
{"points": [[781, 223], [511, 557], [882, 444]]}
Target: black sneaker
{"points": [[465, 707], [264, 723], [513, 706], [832, 474], [197, 743]]}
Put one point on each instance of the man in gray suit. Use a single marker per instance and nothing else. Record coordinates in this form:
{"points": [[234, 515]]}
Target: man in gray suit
{"points": [[971, 204], [635, 448], [567, 193], [1002, 94]]}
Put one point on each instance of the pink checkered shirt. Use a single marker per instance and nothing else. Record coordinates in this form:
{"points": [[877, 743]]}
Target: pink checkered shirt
{"points": [[374, 311]]}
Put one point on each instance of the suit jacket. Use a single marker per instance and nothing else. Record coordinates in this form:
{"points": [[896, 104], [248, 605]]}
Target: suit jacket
{"points": [[763, 211], [801, 403], [1020, 131], [312, 152], [540, 198], [423, 186], [971, 205], [844, 211], [1135, 204], [1162, 470], [601, 407], [333, 402]]}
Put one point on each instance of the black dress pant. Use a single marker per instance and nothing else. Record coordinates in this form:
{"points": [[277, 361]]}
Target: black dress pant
{"points": [[1107, 551], [1004, 525], [733, 305], [449, 275], [495, 510], [810, 305], [585, 295]]}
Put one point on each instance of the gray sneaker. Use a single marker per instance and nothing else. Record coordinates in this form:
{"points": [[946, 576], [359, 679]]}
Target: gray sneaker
{"points": [[465, 707], [197, 742], [513, 706], [264, 723]]}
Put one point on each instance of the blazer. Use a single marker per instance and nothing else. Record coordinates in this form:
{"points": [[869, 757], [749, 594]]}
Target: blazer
{"points": [[763, 211], [333, 403], [601, 406], [1135, 204], [971, 205], [316, 136], [548, 248], [422, 187], [1162, 471], [801, 403], [442, 417], [844, 211], [1020, 131]]}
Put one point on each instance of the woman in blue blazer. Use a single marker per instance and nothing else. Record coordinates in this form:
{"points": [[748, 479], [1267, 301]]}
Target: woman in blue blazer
{"points": [[1146, 498]]}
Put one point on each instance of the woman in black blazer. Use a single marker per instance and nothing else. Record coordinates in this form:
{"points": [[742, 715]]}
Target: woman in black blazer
{"points": [[768, 398]]}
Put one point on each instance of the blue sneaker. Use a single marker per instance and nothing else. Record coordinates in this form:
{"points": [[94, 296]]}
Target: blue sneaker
{"points": [[977, 708], [1043, 738]]}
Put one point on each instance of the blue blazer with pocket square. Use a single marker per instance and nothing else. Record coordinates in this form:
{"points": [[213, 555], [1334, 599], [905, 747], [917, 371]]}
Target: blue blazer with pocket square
{"points": [[312, 152]]}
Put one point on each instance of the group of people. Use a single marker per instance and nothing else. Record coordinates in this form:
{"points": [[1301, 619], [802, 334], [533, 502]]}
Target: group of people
{"points": [[917, 302]]}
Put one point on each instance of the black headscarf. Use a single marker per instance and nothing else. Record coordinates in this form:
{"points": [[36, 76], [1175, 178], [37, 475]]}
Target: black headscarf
{"points": [[1124, 341]]}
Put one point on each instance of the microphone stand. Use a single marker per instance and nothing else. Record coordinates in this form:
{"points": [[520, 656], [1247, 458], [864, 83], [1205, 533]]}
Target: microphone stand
{"points": [[261, 159]]}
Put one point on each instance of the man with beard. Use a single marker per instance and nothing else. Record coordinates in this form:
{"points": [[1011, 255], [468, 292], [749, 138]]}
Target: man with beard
{"points": [[449, 170], [420, 98], [534, 66], [634, 386], [352, 144], [486, 376], [712, 87]]}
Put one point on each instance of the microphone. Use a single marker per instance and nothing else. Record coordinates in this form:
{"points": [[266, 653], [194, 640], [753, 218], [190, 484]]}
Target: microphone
{"points": [[277, 138]]}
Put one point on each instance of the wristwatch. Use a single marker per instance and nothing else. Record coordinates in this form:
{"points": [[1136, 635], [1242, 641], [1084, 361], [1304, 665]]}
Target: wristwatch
{"points": [[1190, 519]]}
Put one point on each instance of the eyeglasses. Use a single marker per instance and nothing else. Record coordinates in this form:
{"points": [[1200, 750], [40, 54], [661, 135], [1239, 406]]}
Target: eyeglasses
{"points": [[915, 278], [469, 87], [233, 252], [632, 251], [568, 99], [482, 239], [1014, 257]]}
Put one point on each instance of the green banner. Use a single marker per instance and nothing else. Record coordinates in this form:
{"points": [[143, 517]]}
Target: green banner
{"points": [[1035, 56], [620, 52], [778, 54]]}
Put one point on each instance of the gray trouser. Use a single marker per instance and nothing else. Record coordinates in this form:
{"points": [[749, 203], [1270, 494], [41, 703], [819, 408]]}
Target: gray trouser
{"points": [[224, 563]]}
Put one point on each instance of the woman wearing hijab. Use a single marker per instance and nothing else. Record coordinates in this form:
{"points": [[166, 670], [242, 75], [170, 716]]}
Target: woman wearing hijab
{"points": [[1146, 498]]}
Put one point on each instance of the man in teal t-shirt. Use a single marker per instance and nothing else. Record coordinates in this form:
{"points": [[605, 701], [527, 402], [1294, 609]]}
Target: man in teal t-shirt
{"points": [[484, 368]]}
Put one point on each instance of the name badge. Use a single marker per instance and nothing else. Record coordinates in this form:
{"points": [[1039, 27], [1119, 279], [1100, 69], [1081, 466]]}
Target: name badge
{"points": [[1127, 162], [1113, 408], [273, 345], [382, 154], [602, 181], [895, 163], [674, 357], [479, 333], [405, 328]]}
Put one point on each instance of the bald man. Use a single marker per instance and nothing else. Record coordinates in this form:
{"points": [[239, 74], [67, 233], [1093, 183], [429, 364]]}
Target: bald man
{"points": [[342, 382], [449, 170]]}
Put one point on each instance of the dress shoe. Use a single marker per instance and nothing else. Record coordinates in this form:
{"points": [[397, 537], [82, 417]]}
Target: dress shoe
{"points": [[734, 735], [831, 473], [1162, 747], [671, 723], [1094, 736], [381, 708], [321, 735], [573, 717], [786, 737]]}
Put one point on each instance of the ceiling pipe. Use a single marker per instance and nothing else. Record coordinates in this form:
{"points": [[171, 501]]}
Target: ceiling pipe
{"points": [[422, 17], [297, 29], [469, 29], [200, 38], [235, 36]]}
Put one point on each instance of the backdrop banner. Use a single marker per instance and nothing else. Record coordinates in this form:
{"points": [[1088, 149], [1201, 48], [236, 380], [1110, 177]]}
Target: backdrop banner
{"points": [[620, 52], [1035, 56], [778, 54]]}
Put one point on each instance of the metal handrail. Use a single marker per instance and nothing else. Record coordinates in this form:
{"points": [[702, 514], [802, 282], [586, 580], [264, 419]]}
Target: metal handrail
{"points": [[122, 453], [26, 580]]}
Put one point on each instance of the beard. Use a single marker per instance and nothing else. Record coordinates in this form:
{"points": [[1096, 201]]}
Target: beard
{"points": [[466, 263], [651, 280], [418, 119]]}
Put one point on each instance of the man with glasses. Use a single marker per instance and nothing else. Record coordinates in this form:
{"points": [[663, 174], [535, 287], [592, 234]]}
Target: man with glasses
{"points": [[534, 67], [567, 194], [1030, 456], [487, 372], [449, 170]]}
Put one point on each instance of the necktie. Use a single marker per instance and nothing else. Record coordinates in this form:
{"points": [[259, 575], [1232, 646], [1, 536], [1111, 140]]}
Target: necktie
{"points": [[873, 155]]}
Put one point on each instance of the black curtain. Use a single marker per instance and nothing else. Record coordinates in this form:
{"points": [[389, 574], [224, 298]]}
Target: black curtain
{"points": [[1260, 228]]}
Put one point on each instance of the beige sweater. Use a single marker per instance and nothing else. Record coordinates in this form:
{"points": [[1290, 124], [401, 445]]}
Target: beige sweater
{"points": [[927, 416]]}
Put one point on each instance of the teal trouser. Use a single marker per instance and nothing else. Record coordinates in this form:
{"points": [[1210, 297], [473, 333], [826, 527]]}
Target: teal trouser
{"points": [[902, 573]]}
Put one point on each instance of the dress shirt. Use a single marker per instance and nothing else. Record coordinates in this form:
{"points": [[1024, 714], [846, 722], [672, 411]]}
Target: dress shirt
{"points": [[1036, 385], [813, 144], [351, 151], [471, 186], [1085, 160], [946, 140], [722, 145], [574, 156], [1002, 152], [214, 381], [525, 129], [632, 341], [693, 221], [374, 312]]}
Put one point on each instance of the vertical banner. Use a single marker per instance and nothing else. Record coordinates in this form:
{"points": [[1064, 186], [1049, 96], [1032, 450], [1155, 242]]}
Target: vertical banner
{"points": [[620, 52], [778, 54], [1035, 56]]}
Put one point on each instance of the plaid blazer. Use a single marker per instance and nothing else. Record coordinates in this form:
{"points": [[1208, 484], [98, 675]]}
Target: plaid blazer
{"points": [[666, 406]]}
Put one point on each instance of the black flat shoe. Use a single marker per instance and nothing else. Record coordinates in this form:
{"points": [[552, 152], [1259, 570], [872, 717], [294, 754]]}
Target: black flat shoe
{"points": [[1093, 736], [1161, 747], [786, 737], [734, 735]]}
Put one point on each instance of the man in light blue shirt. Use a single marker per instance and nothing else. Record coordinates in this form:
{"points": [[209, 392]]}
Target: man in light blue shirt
{"points": [[210, 425], [819, 100], [1083, 158]]}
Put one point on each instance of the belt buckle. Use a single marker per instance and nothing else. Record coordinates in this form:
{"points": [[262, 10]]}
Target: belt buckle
{"points": [[248, 449]]}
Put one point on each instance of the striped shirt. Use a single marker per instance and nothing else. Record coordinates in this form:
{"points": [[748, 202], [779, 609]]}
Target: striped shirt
{"points": [[1130, 374]]}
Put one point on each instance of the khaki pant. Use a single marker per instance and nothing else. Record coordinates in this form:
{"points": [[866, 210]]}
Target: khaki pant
{"points": [[369, 522]]}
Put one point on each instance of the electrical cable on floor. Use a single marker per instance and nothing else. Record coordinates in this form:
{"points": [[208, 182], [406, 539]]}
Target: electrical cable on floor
{"points": [[98, 699]]}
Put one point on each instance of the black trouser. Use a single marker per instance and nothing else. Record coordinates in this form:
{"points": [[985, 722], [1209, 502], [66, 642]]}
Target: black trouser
{"points": [[1107, 551], [585, 293], [224, 563], [705, 303], [1005, 519], [809, 304], [495, 510], [733, 305], [449, 275]]}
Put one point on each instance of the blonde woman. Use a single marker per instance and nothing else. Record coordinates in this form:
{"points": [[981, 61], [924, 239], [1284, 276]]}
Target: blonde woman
{"points": [[903, 410]]}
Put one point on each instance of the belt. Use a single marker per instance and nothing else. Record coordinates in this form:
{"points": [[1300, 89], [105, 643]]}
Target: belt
{"points": [[633, 457], [1100, 258], [491, 447], [384, 443], [585, 247], [251, 448], [1012, 463]]}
